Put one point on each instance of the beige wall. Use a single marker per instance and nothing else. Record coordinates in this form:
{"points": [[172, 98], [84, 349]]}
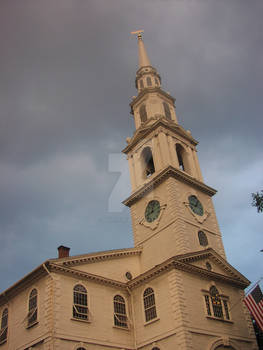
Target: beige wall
{"points": [[114, 268], [19, 336]]}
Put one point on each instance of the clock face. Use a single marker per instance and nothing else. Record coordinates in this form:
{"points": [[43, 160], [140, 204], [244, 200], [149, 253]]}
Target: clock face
{"points": [[196, 205], [152, 211]]}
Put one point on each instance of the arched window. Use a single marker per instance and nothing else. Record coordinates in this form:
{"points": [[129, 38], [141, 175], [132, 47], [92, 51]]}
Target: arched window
{"points": [[32, 308], [80, 302], [149, 304], [149, 81], [167, 111], [202, 238], [148, 163], [216, 302], [120, 317], [179, 152], [4, 326], [155, 348], [216, 305], [141, 84], [81, 349], [143, 113], [156, 81]]}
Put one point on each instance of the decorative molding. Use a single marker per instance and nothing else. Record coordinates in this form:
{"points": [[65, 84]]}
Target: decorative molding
{"points": [[96, 257], [168, 125], [87, 276], [148, 90], [181, 262], [159, 178]]}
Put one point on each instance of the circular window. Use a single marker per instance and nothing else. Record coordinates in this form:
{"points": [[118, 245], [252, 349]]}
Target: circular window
{"points": [[128, 275], [202, 238]]}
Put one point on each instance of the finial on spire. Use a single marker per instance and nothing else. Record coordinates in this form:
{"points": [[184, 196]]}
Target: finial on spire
{"points": [[143, 57], [138, 33]]}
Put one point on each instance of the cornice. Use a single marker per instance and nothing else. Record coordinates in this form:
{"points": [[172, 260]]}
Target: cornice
{"points": [[179, 263], [87, 276], [148, 90], [23, 283], [99, 256], [211, 253], [145, 130], [170, 171]]}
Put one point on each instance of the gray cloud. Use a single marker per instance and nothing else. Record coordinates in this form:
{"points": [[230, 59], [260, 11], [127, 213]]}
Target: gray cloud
{"points": [[67, 76]]}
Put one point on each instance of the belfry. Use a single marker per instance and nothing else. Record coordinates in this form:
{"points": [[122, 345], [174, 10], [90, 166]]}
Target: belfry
{"points": [[173, 290]]}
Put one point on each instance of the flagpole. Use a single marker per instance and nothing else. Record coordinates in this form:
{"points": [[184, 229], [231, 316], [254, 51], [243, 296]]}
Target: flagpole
{"points": [[254, 285]]}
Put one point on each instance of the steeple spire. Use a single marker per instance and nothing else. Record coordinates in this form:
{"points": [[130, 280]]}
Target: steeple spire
{"points": [[152, 102], [144, 60]]}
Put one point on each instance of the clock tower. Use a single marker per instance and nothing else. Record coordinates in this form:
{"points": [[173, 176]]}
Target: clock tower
{"points": [[171, 206]]}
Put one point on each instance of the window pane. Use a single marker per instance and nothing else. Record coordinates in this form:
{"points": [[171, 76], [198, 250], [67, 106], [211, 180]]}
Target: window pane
{"points": [[32, 307], [149, 81], [149, 304], [80, 306], [226, 309], [4, 322], [216, 302], [207, 303], [120, 317], [202, 238]]}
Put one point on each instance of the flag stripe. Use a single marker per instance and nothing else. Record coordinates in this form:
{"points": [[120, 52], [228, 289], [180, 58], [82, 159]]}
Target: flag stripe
{"points": [[255, 312], [254, 309], [255, 306]]}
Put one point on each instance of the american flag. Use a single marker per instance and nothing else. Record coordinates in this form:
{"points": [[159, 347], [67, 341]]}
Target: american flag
{"points": [[254, 303]]}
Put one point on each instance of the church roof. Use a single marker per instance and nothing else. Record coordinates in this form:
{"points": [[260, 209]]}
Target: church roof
{"points": [[185, 262]]}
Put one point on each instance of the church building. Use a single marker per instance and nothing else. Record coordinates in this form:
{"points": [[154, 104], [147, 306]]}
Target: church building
{"points": [[173, 290]]}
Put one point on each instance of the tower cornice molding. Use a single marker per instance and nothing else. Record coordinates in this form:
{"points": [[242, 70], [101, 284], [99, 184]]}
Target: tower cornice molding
{"points": [[170, 171], [148, 90], [164, 125]]}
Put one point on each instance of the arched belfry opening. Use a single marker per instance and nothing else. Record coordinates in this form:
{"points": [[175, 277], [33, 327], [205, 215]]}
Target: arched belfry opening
{"points": [[149, 81], [182, 158], [167, 111], [143, 113], [179, 152], [148, 163]]}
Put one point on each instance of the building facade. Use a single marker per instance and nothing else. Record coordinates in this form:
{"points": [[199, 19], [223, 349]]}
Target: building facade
{"points": [[173, 290]]}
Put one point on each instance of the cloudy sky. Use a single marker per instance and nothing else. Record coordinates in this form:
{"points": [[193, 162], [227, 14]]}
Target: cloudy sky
{"points": [[67, 70]]}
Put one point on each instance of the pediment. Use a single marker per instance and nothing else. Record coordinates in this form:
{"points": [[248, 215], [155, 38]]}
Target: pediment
{"points": [[151, 125], [219, 266]]}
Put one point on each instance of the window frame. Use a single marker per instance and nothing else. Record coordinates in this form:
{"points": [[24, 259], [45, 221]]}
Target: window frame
{"points": [[32, 315], [202, 238], [4, 326], [143, 113], [149, 81], [149, 306], [211, 309], [78, 314], [167, 111], [118, 307]]}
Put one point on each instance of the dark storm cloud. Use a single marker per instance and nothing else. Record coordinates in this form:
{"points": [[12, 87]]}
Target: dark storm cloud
{"points": [[67, 75]]}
